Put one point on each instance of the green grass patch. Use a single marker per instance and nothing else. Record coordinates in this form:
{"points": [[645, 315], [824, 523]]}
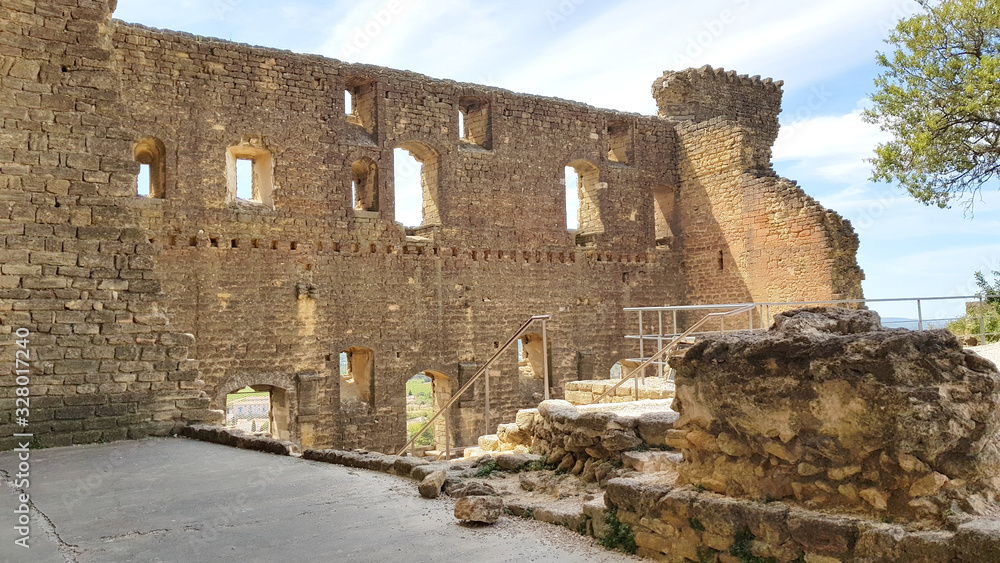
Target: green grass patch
{"points": [[742, 548], [618, 534], [487, 469]]}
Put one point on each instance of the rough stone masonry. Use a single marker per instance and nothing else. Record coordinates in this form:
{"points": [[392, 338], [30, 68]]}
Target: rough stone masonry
{"points": [[146, 310], [830, 409]]}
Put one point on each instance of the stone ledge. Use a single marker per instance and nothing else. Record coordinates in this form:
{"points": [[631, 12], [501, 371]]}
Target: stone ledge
{"points": [[237, 439]]}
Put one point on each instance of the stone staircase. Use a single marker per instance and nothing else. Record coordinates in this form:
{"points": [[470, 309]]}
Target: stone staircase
{"points": [[587, 391], [633, 433]]}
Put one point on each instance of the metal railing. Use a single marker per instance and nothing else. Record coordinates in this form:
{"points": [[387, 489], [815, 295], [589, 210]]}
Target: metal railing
{"points": [[658, 325], [468, 384], [638, 370]]}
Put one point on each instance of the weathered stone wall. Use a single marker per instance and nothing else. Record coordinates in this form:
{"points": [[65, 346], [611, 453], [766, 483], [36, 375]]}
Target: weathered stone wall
{"points": [[746, 234], [833, 411], [498, 243], [276, 288], [75, 268], [680, 524]]}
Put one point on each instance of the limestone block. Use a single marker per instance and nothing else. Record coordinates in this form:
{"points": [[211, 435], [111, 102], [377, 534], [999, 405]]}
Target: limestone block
{"points": [[430, 487], [652, 427], [515, 461], [489, 443], [485, 509], [471, 488]]}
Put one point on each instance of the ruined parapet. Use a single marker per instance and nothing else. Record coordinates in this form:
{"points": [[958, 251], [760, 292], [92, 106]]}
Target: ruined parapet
{"points": [[796, 247], [832, 411], [706, 93]]}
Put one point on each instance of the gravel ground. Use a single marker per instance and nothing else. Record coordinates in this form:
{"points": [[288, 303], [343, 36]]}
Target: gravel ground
{"points": [[989, 351]]}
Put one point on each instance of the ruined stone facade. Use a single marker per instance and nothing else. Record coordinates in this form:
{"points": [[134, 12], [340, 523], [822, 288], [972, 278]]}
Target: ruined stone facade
{"points": [[276, 284], [833, 411]]}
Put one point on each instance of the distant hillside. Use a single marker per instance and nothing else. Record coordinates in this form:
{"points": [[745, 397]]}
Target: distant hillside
{"points": [[910, 324]]}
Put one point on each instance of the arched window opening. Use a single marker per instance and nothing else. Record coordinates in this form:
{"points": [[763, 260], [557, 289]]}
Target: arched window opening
{"points": [[150, 154], [415, 179], [364, 184]]}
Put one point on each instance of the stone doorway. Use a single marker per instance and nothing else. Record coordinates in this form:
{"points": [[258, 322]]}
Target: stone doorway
{"points": [[259, 408], [426, 393]]}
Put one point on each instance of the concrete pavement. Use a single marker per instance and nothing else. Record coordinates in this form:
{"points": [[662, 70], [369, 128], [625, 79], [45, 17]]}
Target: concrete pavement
{"points": [[178, 500]]}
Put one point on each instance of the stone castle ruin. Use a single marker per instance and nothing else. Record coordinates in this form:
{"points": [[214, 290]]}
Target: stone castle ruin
{"points": [[826, 438], [145, 311]]}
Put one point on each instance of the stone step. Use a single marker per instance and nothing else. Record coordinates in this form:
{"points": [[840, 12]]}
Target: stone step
{"points": [[652, 461]]}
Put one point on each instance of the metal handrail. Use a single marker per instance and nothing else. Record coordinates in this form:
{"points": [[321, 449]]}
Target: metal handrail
{"points": [[482, 370], [663, 351], [766, 312]]}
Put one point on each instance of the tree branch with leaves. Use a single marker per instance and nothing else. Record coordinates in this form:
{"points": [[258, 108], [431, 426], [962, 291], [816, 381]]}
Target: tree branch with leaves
{"points": [[939, 97]]}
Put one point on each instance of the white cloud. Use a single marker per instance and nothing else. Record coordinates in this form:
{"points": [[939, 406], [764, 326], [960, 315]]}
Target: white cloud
{"points": [[836, 145]]}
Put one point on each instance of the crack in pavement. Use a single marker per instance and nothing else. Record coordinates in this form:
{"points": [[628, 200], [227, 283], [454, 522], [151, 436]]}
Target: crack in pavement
{"points": [[135, 534], [69, 552]]}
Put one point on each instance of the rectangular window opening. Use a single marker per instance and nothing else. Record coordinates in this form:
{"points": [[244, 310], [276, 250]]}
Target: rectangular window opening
{"points": [[244, 178], [475, 124], [359, 102], [620, 142], [572, 180], [144, 181]]}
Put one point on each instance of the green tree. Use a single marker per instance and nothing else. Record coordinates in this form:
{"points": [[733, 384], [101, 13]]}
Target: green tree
{"points": [[990, 292], [989, 316], [939, 97]]}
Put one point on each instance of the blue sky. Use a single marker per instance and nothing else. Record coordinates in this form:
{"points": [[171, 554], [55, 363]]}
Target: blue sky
{"points": [[607, 53]]}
